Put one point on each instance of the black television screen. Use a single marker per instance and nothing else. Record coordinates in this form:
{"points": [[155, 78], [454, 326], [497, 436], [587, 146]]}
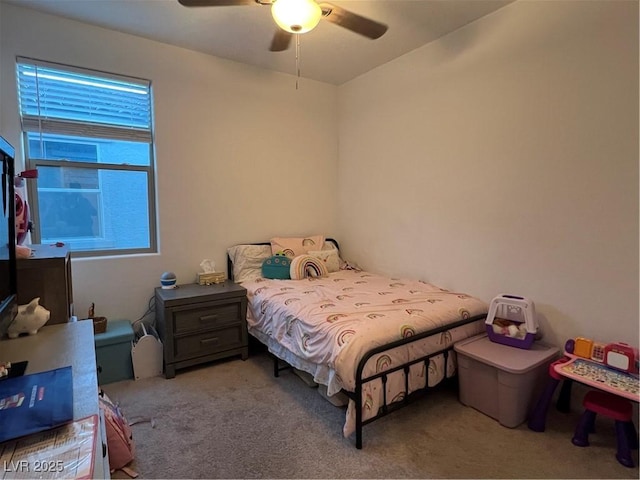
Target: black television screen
{"points": [[8, 272]]}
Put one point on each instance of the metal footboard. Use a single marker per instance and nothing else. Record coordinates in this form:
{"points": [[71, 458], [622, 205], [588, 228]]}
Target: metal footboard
{"points": [[386, 407]]}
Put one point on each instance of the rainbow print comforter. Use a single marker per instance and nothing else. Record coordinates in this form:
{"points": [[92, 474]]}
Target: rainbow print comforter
{"points": [[325, 326]]}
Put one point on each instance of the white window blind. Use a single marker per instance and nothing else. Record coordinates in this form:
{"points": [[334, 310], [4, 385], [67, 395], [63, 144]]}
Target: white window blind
{"points": [[53, 100]]}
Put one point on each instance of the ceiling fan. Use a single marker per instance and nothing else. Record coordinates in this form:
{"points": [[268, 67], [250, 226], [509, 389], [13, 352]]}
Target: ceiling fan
{"points": [[301, 16]]}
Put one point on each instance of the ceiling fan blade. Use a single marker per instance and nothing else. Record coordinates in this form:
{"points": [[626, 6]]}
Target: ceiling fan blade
{"points": [[215, 3], [352, 21], [281, 41]]}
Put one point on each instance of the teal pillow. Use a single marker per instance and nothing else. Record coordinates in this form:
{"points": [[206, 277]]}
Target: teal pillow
{"points": [[277, 267]]}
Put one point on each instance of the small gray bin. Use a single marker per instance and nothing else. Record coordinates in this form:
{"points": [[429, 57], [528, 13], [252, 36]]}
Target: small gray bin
{"points": [[500, 381]]}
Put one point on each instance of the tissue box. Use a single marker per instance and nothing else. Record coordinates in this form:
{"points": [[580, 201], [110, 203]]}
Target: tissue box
{"points": [[211, 277]]}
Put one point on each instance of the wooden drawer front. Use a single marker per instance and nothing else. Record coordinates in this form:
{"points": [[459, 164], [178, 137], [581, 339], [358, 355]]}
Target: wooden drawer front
{"points": [[206, 343], [205, 318]]}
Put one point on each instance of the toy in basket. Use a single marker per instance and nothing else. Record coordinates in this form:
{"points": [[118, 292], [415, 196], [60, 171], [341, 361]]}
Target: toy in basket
{"points": [[512, 321]]}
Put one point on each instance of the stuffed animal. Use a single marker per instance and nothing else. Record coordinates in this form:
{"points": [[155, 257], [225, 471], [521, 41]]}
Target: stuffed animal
{"points": [[509, 328], [29, 319]]}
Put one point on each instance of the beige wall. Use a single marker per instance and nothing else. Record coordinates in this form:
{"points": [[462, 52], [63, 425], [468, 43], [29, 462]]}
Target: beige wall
{"points": [[504, 158], [239, 156], [500, 158]]}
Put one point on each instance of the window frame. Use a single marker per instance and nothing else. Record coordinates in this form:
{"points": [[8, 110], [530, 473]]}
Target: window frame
{"points": [[100, 132]]}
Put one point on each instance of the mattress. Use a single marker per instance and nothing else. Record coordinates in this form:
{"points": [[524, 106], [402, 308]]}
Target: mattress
{"points": [[326, 325]]}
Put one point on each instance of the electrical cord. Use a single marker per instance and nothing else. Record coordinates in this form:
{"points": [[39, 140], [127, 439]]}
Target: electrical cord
{"points": [[151, 309]]}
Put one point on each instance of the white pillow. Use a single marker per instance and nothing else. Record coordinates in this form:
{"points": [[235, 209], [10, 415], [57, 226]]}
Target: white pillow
{"points": [[330, 258], [247, 261]]}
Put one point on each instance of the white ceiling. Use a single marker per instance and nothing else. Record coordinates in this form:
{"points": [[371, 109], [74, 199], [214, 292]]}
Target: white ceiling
{"points": [[329, 53]]}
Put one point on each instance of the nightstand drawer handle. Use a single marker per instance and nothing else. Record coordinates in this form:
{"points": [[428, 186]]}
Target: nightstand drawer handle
{"points": [[208, 318], [209, 340]]}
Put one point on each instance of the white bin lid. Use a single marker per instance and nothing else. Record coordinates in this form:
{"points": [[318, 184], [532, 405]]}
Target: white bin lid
{"points": [[504, 357]]}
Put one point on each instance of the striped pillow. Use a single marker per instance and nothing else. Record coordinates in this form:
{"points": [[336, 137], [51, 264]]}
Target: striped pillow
{"points": [[304, 266]]}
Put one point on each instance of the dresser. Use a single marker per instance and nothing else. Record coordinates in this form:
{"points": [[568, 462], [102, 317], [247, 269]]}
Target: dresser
{"points": [[200, 323], [56, 346], [47, 274]]}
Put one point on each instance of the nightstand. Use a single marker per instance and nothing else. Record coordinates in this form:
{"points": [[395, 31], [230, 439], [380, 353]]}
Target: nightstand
{"points": [[200, 323]]}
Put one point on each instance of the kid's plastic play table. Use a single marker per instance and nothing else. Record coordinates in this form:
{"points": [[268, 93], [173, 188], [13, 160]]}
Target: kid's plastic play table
{"points": [[571, 368]]}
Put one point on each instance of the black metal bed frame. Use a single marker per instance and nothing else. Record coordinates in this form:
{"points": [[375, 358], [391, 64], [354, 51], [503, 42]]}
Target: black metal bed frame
{"points": [[408, 398], [356, 395]]}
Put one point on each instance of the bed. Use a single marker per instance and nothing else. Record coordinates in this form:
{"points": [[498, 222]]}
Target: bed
{"points": [[381, 341]]}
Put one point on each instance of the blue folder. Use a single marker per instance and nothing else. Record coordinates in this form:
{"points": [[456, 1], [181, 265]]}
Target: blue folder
{"points": [[36, 402]]}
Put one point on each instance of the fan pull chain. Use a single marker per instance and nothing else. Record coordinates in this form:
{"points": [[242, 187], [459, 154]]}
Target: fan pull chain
{"points": [[297, 60]]}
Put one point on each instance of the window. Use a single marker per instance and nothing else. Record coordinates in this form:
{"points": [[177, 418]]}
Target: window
{"points": [[89, 135]]}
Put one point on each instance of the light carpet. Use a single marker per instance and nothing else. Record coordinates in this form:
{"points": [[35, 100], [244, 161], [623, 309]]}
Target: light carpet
{"points": [[233, 419]]}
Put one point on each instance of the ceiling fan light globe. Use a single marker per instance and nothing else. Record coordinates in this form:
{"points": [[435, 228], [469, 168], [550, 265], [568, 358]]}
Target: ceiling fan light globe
{"points": [[296, 16]]}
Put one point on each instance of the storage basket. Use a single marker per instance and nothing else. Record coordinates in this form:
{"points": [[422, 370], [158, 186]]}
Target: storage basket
{"points": [[512, 321], [99, 324]]}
